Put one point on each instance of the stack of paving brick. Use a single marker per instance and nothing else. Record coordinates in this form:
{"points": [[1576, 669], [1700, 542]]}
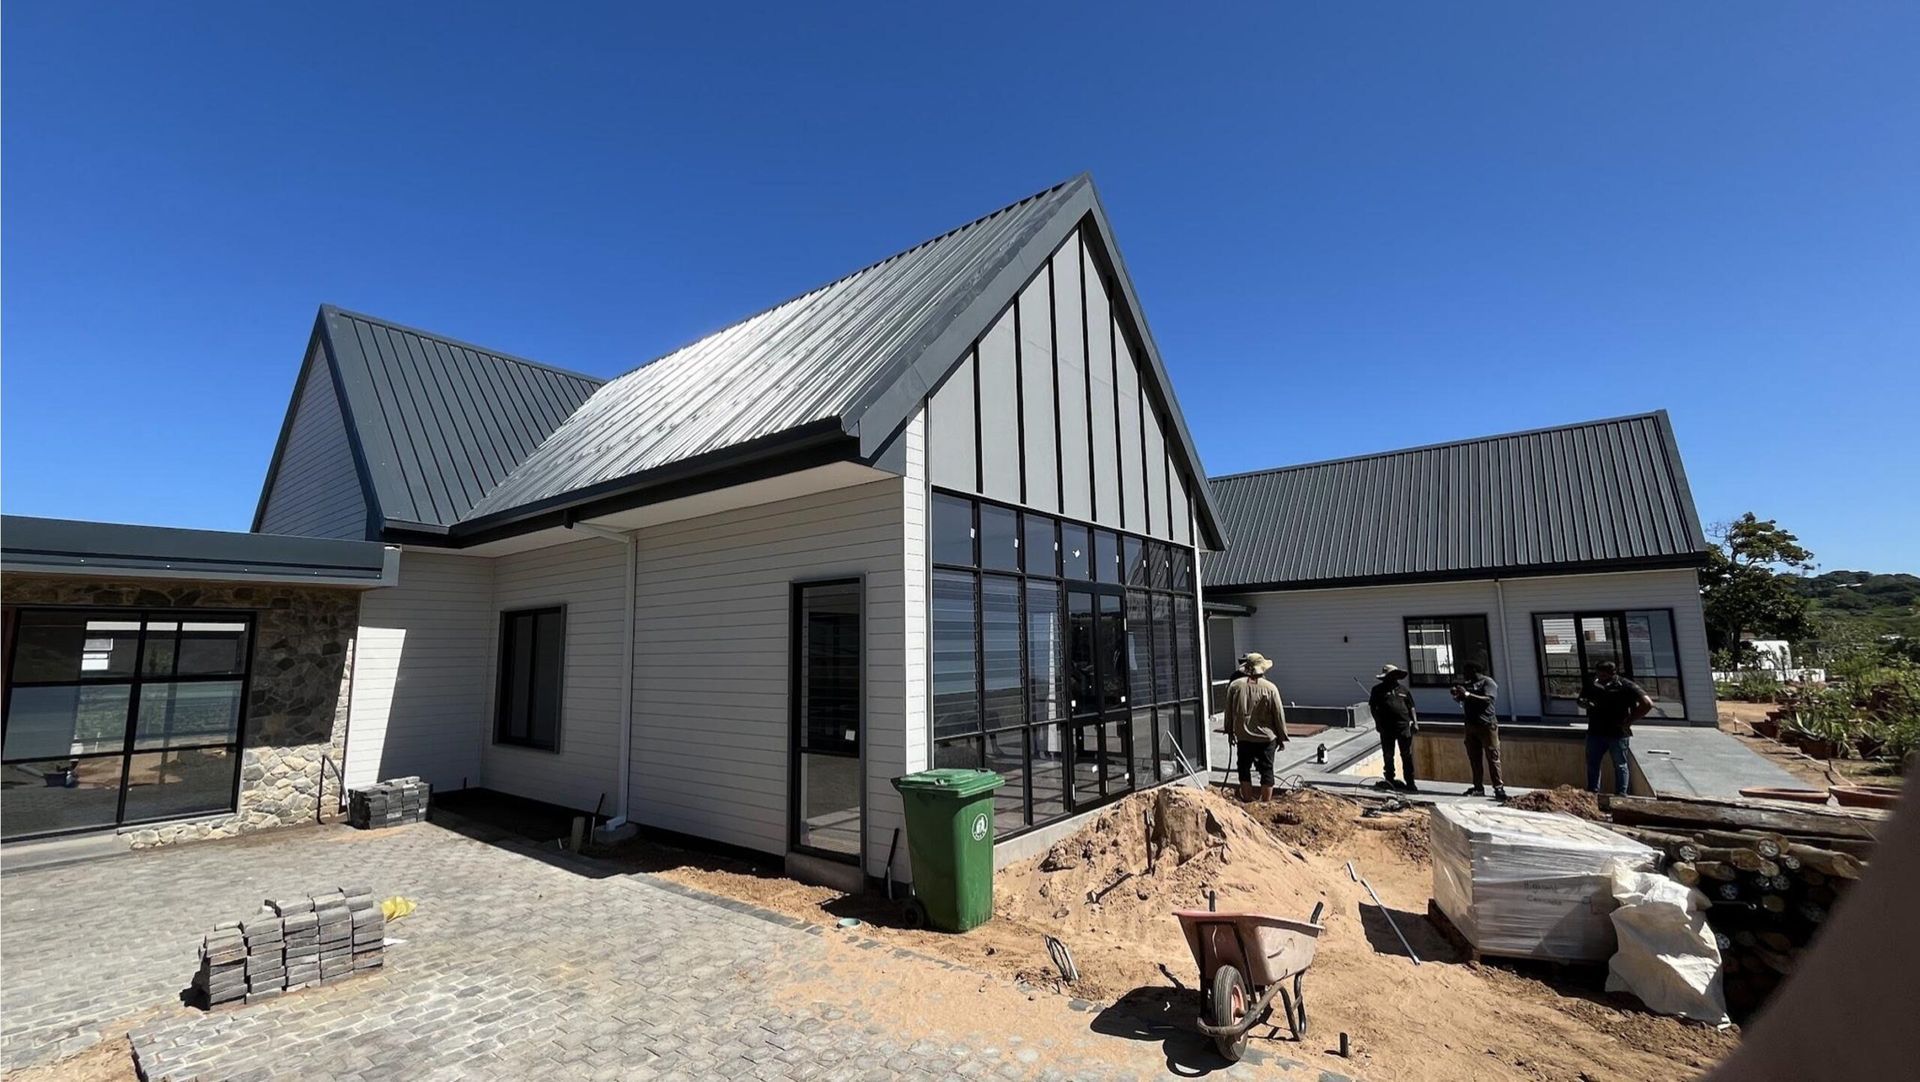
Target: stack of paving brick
{"points": [[389, 803], [292, 943]]}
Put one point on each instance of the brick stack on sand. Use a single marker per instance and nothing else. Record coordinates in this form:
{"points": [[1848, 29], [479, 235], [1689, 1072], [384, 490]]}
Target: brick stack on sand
{"points": [[292, 943], [389, 803]]}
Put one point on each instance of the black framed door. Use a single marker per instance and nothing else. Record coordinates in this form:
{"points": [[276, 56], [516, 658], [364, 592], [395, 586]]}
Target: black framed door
{"points": [[1098, 696], [827, 704]]}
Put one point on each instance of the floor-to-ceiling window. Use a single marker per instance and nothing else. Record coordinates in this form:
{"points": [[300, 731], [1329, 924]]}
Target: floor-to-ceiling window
{"points": [[1640, 643], [1065, 657], [121, 717]]}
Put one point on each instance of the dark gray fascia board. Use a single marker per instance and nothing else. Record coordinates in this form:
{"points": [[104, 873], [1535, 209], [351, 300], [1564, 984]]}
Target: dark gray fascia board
{"points": [[1470, 574], [69, 546], [1226, 608], [1677, 465], [923, 367]]}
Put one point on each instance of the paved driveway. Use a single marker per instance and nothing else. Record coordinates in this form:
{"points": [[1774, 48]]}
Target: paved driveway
{"points": [[521, 966]]}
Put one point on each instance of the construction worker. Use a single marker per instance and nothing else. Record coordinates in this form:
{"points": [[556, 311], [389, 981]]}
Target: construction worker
{"points": [[1396, 720], [1476, 694], [1613, 704], [1257, 723]]}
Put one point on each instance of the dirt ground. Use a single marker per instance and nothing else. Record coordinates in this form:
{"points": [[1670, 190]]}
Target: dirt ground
{"points": [[1107, 892], [1737, 718], [1562, 798], [109, 1061]]}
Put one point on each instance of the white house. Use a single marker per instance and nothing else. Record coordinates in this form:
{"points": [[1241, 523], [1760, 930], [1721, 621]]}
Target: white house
{"points": [[1538, 554]]}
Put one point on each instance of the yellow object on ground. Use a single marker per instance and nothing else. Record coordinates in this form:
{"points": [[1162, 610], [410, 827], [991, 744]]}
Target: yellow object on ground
{"points": [[396, 907]]}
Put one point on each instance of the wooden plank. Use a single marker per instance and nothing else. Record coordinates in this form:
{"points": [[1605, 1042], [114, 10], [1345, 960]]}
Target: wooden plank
{"points": [[1658, 812]]}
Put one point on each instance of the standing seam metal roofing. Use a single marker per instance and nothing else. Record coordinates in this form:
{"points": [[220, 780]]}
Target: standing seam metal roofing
{"points": [[817, 356], [1583, 496], [439, 422]]}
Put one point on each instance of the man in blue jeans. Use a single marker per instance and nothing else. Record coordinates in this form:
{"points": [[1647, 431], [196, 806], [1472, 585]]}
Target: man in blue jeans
{"points": [[1613, 704]]}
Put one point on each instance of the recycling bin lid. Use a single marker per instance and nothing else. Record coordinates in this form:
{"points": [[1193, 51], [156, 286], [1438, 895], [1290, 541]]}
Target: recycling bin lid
{"points": [[957, 782]]}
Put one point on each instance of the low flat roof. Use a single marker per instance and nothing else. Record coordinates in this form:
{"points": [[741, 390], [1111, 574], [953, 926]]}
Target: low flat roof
{"points": [[71, 547]]}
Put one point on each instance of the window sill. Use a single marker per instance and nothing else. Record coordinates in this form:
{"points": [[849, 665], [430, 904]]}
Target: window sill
{"points": [[516, 746]]}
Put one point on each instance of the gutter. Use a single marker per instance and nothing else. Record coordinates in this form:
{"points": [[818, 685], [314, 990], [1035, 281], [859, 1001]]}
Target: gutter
{"points": [[631, 541]]}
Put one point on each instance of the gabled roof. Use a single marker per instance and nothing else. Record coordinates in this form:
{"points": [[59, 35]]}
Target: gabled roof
{"points": [[434, 423], [1602, 495]]}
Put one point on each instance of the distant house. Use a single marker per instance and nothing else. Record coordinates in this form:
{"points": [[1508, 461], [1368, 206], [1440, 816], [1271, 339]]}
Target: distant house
{"points": [[942, 511], [1538, 554]]}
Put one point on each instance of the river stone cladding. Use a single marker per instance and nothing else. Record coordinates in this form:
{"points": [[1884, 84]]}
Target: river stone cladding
{"points": [[297, 697]]}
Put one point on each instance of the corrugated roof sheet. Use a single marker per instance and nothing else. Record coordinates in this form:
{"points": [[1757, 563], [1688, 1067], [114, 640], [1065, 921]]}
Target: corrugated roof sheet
{"points": [[442, 422], [821, 355], [1583, 496]]}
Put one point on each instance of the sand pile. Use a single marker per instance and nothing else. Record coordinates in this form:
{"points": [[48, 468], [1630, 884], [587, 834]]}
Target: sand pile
{"points": [[1563, 798]]}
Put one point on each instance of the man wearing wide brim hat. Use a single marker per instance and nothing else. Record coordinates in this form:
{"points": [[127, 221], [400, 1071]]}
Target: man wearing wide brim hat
{"points": [[1257, 724], [1396, 720]]}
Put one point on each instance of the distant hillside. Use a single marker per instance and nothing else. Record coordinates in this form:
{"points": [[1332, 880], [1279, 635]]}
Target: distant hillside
{"points": [[1890, 604]]}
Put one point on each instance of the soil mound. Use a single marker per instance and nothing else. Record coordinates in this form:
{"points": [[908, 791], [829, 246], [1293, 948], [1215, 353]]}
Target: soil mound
{"points": [[1309, 819], [1562, 798]]}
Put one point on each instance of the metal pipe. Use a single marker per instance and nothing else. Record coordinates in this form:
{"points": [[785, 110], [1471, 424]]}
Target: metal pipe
{"points": [[1383, 912]]}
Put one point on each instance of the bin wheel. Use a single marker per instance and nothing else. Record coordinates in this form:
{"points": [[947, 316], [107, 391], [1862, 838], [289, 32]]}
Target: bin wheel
{"points": [[916, 914], [1230, 1005]]}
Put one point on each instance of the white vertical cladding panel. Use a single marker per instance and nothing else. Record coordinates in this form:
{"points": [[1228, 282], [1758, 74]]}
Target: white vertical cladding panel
{"points": [[950, 420], [316, 489], [896, 736], [999, 410], [1070, 362], [1675, 590], [1037, 394], [419, 698], [1100, 402], [1133, 481], [588, 578], [712, 725], [1181, 506], [1158, 522]]}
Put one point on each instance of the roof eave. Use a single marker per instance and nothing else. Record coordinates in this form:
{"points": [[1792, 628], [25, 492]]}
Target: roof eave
{"points": [[1674, 562]]}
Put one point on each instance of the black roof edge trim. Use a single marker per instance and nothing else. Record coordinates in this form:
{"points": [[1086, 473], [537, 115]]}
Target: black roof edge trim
{"points": [[1678, 466], [1226, 608], [362, 466], [1470, 574], [816, 443]]}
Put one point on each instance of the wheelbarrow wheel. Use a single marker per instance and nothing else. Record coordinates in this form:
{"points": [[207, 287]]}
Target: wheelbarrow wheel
{"points": [[1230, 1004]]}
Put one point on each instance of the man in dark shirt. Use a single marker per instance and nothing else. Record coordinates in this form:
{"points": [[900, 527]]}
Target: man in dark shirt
{"points": [[1476, 695], [1395, 718], [1613, 704]]}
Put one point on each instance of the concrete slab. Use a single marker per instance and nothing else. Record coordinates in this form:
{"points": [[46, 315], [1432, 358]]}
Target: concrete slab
{"points": [[1702, 762]]}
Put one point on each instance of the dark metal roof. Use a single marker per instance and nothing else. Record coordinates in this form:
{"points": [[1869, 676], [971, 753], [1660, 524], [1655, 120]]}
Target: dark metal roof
{"points": [[66, 546], [851, 359], [1603, 495]]}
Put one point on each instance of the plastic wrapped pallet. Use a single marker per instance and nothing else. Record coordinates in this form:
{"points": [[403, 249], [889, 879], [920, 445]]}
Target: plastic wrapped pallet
{"points": [[1530, 884]]}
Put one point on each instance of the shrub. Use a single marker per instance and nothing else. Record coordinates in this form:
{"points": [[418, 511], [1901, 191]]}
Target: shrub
{"points": [[1752, 687]]}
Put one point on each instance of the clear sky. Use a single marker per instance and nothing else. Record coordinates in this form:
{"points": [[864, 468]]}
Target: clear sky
{"points": [[1354, 227]]}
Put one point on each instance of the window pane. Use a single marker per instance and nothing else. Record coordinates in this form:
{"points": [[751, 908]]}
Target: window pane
{"points": [[1040, 546], [1158, 562], [956, 666], [1000, 628], [72, 720], [59, 794], [1083, 688], [1044, 645], [1076, 552], [1180, 568], [1655, 660], [1185, 632], [1141, 739], [1049, 745], [1086, 764], [211, 648], [1176, 738], [1439, 647], [1006, 756], [517, 671], [961, 751], [156, 658], [168, 784], [1133, 553], [1140, 646], [1559, 656], [830, 802], [999, 538], [1193, 734], [74, 646], [829, 703], [1163, 654], [1116, 762], [1166, 729], [1113, 654], [1222, 656], [952, 530], [549, 639], [1106, 552], [172, 715]]}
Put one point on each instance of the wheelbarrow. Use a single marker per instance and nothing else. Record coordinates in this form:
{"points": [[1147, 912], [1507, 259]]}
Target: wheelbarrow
{"points": [[1246, 959]]}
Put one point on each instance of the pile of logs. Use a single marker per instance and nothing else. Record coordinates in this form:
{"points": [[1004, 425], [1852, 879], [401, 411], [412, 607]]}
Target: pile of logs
{"points": [[1773, 871]]}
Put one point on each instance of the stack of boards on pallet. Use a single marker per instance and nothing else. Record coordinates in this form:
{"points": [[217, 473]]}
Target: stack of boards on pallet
{"points": [[1773, 870], [291, 944], [389, 803]]}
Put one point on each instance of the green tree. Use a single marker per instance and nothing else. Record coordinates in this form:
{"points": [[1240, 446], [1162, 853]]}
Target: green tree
{"points": [[1748, 583]]}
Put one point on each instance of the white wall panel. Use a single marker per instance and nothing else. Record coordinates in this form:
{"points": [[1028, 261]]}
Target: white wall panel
{"points": [[1133, 479], [1076, 471], [1037, 394], [950, 425], [999, 410], [1101, 406]]}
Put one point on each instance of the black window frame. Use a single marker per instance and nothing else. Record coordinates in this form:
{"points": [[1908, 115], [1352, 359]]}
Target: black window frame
{"points": [[796, 748], [503, 672], [1418, 679], [134, 681], [1625, 659]]}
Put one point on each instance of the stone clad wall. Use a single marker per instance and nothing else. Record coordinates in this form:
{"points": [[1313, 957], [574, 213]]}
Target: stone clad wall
{"points": [[296, 701]]}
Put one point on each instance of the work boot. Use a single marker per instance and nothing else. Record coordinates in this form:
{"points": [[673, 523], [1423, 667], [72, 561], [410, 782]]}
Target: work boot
{"points": [[1386, 783], [1478, 790], [1409, 787], [1500, 795]]}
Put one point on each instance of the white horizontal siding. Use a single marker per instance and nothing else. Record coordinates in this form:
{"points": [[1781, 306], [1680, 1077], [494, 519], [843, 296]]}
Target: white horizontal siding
{"points": [[588, 578], [1323, 641], [896, 736], [420, 673], [711, 733], [316, 489]]}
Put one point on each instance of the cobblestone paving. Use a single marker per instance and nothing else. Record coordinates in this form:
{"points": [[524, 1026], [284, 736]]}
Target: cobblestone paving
{"points": [[514, 967]]}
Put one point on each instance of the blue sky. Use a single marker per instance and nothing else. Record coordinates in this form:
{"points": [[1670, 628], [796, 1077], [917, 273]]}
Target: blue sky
{"points": [[1354, 227]]}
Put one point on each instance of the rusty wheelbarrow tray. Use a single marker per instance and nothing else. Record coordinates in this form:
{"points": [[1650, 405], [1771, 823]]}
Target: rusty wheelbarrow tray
{"points": [[1245, 961]]}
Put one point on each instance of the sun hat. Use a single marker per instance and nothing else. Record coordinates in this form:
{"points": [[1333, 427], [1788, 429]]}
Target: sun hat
{"points": [[1257, 662], [1389, 669]]}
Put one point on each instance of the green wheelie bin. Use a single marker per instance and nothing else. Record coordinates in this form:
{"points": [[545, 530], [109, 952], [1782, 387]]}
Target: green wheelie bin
{"points": [[950, 838]]}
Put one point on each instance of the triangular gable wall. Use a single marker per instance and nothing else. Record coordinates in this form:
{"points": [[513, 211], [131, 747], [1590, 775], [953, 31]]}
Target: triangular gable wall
{"points": [[314, 486]]}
